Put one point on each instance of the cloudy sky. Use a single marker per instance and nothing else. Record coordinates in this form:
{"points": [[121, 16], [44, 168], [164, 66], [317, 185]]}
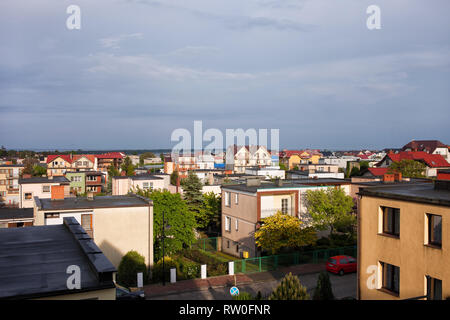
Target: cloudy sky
{"points": [[139, 69]]}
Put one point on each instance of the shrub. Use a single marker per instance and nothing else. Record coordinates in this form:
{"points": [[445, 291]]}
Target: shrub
{"points": [[323, 289], [243, 296], [169, 263], [131, 264], [189, 270], [290, 288]]}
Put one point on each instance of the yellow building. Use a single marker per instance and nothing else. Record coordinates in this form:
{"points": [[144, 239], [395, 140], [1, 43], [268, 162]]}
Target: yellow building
{"points": [[404, 242]]}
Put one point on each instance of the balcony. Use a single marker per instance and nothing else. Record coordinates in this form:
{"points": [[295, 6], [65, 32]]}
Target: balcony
{"points": [[270, 212]]}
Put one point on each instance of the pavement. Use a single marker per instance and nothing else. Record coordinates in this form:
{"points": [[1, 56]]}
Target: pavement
{"points": [[217, 288]]}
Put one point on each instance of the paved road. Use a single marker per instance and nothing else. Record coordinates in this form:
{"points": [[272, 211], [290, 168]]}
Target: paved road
{"points": [[344, 286]]}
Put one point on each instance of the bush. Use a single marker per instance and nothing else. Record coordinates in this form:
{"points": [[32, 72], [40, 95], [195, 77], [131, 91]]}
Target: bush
{"points": [[157, 271], [323, 289], [243, 296], [131, 264], [188, 269], [290, 288]]}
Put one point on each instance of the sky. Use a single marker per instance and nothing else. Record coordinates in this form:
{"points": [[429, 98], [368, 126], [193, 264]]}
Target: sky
{"points": [[137, 70]]}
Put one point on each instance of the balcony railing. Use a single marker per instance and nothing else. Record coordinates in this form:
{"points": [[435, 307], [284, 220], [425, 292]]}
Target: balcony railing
{"points": [[270, 212]]}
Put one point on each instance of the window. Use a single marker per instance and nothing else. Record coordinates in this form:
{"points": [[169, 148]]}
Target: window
{"points": [[391, 221], [228, 244], [284, 205], [434, 230], [237, 224], [51, 215], [228, 224], [434, 288], [391, 277], [236, 198], [227, 199], [145, 185], [45, 188], [237, 248], [86, 223], [28, 195]]}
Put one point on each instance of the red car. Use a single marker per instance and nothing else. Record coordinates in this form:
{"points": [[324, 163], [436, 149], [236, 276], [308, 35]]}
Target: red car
{"points": [[341, 264]]}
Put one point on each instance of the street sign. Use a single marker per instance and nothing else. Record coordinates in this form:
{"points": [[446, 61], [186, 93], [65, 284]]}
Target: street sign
{"points": [[234, 291]]}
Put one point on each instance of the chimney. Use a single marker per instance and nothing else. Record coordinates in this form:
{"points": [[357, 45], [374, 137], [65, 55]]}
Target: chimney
{"points": [[57, 192], [388, 177]]}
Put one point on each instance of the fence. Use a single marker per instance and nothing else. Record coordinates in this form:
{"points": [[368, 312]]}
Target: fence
{"points": [[269, 263], [207, 244]]}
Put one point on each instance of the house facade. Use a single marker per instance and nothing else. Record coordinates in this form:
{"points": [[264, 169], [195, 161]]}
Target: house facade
{"points": [[403, 242], [42, 188], [9, 184], [122, 185], [238, 158]]}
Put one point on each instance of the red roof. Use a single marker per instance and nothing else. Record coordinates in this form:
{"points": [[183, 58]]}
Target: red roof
{"points": [[65, 157], [424, 145], [431, 160], [378, 171], [110, 155]]}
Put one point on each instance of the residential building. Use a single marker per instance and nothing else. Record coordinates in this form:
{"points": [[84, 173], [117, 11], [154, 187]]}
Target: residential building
{"points": [[59, 165], [269, 172], [244, 205], [292, 158], [429, 146], [104, 161], [77, 182], [122, 185], [117, 224], [433, 162], [95, 182], [240, 157], [341, 162], [16, 217], [313, 174], [9, 184], [35, 263], [41, 187], [403, 242]]}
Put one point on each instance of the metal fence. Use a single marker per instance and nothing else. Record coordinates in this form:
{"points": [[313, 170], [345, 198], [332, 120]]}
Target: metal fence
{"points": [[269, 263], [207, 244]]}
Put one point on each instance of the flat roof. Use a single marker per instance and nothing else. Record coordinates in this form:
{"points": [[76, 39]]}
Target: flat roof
{"points": [[34, 261], [16, 213], [12, 165], [96, 202], [57, 179], [140, 177], [298, 183], [422, 193]]}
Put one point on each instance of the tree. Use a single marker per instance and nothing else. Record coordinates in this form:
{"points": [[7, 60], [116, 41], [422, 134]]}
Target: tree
{"points": [[283, 231], [179, 220], [112, 172], [363, 166], [213, 210], [192, 193], [355, 172], [39, 171], [323, 289], [127, 166], [408, 168], [329, 207], [290, 288], [131, 264], [144, 156], [174, 178], [29, 164]]}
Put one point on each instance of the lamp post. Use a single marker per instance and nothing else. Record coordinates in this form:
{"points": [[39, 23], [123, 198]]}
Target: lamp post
{"points": [[163, 247]]}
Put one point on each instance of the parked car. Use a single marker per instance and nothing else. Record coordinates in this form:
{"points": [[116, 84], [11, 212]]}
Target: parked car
{"points": [[341, 265], [123, 293]]}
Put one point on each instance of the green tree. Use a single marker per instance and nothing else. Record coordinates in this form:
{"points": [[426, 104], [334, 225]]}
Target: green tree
{"points": [[323, 289], [112, 172], [290, 288], [283, 231], [39, 171], [363, 166], [29, 164], [127, 166], [174, 177], [329, 207], [131, 264], [408, 168], [144, 156], [283, 167], [192, 193], [213, 211], [355, 172], [179, 220]]}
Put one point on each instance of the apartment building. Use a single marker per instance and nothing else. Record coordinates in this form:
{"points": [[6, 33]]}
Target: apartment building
{"points": [[117, 224], [403, 242], [34, 264], [77, 182], [122, 185], [95, 182], [41, 187], [9, 184], [245, 205], [240, 157]]}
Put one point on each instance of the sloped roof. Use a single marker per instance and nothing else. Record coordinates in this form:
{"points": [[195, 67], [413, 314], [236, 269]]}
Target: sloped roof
{"points": [[424, 145], [431, 160], [378, 171]]}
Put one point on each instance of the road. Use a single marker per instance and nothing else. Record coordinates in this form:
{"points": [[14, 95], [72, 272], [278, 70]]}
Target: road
{"points": [[344, 286]]}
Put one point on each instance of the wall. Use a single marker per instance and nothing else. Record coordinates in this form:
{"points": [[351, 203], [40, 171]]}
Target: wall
{"points": [[408, 252], [105, 294]]}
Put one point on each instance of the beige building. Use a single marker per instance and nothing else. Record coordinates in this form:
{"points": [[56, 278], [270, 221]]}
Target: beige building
{"points": [[245, 205], [9, 184], [117, 224], [403, 242], [121, 185], [46, 257], [40, 187]]}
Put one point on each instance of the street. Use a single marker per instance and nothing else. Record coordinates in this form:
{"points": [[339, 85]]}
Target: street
{"points": [[344, 286]]}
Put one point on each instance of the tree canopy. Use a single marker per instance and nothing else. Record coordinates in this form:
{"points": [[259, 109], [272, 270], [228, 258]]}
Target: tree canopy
{"points": [[127, 166], [283, 231], [408, 168], [329, 207]]}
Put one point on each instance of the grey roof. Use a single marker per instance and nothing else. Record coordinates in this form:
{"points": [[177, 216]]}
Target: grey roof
{"points": [[34, 261], [140, 177], [12, 165], [57, 179], [299, 183], [16, 213], [97, 202], [422, 193]]}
